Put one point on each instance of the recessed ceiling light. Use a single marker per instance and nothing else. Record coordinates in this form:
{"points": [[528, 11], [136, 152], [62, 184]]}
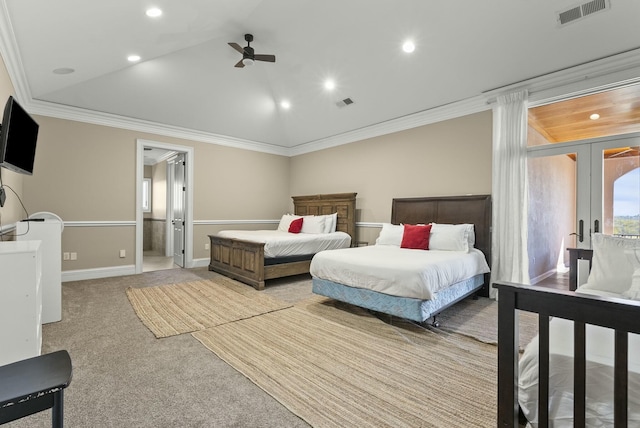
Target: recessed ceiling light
{"points": [[329, 85], [594, 116], [285, 104], [63, 70], [154, 12], [133, 58], [408, 46]]}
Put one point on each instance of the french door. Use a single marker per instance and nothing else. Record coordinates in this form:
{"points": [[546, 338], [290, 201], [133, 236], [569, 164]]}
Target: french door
{"points": [[576, 189]]}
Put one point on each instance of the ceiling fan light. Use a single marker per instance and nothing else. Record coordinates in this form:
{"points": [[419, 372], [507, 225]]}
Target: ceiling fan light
{"points": [[247, 61]]}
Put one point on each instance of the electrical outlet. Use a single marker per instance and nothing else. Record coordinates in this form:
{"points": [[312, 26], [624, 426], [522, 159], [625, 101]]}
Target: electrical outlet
{"points": [[65, 256], [123, 254], [206, 246], [73, 256]]}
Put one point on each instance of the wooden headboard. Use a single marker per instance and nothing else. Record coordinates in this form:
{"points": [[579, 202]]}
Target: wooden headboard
{"points": [[474, 209], [342, 203]]}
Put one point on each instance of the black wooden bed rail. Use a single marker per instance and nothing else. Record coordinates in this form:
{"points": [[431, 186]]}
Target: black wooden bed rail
{"points": [[623, 316]]}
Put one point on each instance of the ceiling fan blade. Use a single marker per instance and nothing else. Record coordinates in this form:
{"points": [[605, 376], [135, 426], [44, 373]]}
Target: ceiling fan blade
{"points": [[268, 58], [239, 64], [237, 47]]}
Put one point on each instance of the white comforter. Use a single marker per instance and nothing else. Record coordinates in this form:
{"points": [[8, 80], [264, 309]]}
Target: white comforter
{"points": [[599, 400], [284, 244], [398, 271]]}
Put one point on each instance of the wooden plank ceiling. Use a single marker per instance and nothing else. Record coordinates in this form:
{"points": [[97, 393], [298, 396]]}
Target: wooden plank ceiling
{"points": [[569, 120]]}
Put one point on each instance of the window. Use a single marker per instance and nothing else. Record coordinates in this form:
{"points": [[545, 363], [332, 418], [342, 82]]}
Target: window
{"points": [[146, 195]]}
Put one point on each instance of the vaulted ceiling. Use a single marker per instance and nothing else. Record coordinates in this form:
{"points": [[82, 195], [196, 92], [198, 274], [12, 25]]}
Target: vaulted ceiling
{"points": [[71, 56]]}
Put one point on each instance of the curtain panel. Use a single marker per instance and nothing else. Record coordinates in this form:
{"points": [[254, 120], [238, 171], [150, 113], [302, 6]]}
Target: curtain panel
{"points": [[510, 261]]}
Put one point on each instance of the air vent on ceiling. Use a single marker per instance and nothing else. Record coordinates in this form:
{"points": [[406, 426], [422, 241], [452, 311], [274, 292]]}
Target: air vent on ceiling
{"points": [[345, 102], [578, 12]]}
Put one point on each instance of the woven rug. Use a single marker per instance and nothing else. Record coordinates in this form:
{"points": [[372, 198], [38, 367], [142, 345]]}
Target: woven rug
{"points": [[335, 365], [479, 319], [173, 309]]}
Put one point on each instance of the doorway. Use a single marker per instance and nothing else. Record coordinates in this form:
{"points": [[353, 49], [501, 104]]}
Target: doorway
{"points": [[156, 237], [576, 189]]}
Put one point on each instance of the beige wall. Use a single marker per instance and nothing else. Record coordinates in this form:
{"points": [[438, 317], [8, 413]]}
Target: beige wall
{"points": [[452, 157], [159, 190], [552, 184], [86, 172], [12, 210]]}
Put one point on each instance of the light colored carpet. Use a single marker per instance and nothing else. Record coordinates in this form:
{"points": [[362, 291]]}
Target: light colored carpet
{"points": [[168, 310], [335, 365], [479, 319]]}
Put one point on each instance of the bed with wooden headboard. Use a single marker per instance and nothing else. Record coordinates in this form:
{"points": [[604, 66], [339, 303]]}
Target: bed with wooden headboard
{"points": [[451, 210], [245, 261]]}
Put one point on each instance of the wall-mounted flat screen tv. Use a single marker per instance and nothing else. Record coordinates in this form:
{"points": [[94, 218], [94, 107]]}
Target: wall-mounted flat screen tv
{"points": [[18, 137]]}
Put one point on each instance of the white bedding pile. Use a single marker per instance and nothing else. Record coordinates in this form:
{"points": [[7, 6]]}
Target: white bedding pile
{"points": [[284, 244], [614, 273], [599, 399], [397, 271]]}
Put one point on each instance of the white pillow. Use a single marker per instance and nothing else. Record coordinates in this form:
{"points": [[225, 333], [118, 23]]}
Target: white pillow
{"points": [[634, 291], [391, 234], [313, 224], [330, 221], [334, 222], [286, 220], [611, 269], [452, 237]]}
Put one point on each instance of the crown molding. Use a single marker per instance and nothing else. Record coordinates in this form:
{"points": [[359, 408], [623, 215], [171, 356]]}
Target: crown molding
{"points": [[11, 56], [602, 74], [45, 108], [426, 117]]}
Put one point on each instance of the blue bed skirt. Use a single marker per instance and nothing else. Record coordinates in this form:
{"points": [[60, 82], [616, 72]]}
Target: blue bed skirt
{"points": [[404, 307]]}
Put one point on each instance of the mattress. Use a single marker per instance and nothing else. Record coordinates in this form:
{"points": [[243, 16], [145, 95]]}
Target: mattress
{"points": [[599, 381], [396, 271], [404, 307], [285, 244]]}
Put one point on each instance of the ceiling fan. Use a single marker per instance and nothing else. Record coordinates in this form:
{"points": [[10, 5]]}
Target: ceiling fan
{"points": [[248, 54]]}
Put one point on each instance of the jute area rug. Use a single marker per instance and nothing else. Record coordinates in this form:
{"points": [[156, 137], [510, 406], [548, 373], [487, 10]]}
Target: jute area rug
{"points": [[479, 319], [173, 309], [336, 365]]}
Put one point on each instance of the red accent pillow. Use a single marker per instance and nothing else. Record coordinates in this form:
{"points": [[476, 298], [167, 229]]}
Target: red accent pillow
{"points": [[416, 237], [296, 225]]}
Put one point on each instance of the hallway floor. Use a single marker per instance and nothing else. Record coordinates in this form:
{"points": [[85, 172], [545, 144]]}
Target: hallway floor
{"points": [[152, 261]]}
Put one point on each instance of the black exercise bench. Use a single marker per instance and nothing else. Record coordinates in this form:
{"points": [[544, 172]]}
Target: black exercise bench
{"points": [[33, 385]]}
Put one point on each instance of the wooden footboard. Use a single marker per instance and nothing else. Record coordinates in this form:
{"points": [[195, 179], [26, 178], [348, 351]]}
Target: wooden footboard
{"points": [[241, 260], [617, 314]]}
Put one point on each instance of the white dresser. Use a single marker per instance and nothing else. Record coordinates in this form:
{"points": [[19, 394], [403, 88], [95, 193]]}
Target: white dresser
{"points": [[20, 300], [49, 232]]}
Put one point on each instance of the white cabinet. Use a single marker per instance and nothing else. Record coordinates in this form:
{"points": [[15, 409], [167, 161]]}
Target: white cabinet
{"points": [[20, 300], [49, 232]]}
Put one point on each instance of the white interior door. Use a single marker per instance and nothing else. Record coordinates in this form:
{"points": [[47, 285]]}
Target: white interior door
{"points": [[178, 209]]}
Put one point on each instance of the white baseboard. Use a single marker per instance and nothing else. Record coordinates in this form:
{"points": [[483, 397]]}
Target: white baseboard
{"points": [[545, 275], [201, 262], [106, 272], [81, 274]]}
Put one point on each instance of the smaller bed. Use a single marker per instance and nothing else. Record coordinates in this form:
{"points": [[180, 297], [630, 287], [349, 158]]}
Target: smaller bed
{"points": [[253, 257], [392, 280]]}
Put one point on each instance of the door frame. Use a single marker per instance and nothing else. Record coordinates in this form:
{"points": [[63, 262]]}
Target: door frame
{"points": [[188, 231], [589, 174]]}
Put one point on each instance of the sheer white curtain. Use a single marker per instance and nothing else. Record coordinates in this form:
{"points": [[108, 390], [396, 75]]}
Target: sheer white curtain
{"points": [[510, 261]]}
